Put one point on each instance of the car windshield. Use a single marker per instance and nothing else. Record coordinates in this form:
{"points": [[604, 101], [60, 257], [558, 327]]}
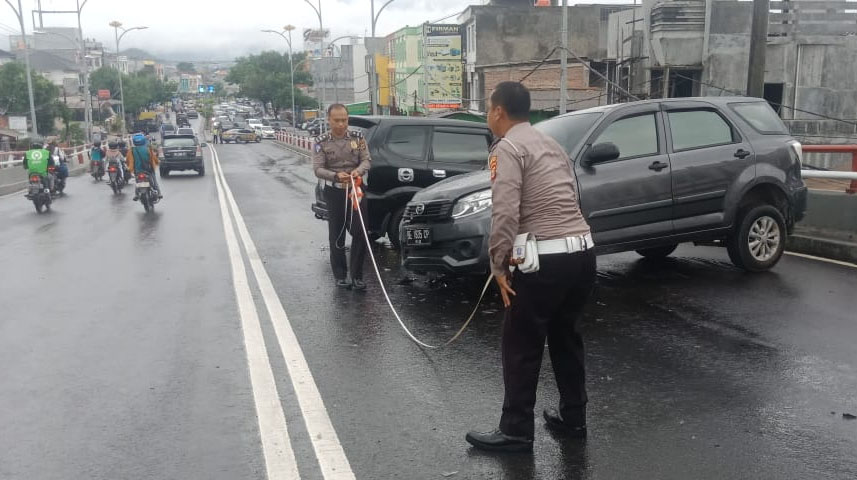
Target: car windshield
{"points": [[568, 130], [178, 142]]}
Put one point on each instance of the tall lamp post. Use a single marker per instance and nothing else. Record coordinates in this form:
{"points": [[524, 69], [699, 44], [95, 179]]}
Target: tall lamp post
{"points": [[372, 53], [116, 27], [19, 12], [85, 72], [321, 33], [288, 39]]}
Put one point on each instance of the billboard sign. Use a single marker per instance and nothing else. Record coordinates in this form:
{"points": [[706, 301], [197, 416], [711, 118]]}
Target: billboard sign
{"points": [[104, 94], [211, 89], [202, 89], [443, 67], [18, 124], [313, 38]]}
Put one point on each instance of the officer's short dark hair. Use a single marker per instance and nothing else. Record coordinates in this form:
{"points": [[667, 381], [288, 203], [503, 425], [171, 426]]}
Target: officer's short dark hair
{"points": [[335, 106], [514, 98]]}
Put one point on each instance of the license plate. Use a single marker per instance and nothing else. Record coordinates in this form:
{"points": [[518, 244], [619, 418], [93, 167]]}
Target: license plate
{"points": [[418, 236], [142, 184]]}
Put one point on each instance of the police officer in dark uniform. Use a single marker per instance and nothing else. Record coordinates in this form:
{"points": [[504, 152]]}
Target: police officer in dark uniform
{"points": [[337, 156], [534, 197]]}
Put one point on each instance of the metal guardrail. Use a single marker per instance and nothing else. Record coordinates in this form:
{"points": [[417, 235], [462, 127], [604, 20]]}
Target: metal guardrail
{"points": [[13, 158], [852, 175]]}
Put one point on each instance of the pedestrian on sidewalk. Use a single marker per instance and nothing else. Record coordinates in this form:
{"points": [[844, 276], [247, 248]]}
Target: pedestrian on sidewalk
{"points": [[537, 226]]}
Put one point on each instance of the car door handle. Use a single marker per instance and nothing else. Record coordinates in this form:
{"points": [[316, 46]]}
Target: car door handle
{"points": [[439, 173], [658, 166], [742, 154]]}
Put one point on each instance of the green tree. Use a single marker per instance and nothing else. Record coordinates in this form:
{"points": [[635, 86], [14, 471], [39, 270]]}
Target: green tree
{"points": [[105, 78], [14, 99], [185, 67], [266, 77]]}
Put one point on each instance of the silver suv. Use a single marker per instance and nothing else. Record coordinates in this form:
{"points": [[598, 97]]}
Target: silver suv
{"points": [[650, 175]]}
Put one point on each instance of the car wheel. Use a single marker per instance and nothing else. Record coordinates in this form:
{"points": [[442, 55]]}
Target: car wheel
{"points": [[759, 239], [393, 228], [201, 170], [658, 252]]}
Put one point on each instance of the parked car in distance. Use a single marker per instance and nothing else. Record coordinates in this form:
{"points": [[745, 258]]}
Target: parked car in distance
{"points": [[236, 135], [409, 154], [192, 114], [185, 131], [650, 175], [167, 129], [180, 152]]}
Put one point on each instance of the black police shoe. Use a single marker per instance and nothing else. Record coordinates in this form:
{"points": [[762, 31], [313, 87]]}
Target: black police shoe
{"points": [[343, 283], [358, 285], [498, 441], [555, 422]]}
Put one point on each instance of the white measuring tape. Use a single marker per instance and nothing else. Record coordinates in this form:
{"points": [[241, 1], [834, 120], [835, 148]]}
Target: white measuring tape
{"points": [[387, 296]]}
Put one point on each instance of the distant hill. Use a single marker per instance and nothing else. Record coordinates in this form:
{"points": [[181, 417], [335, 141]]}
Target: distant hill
{"points": [[138, 54]]}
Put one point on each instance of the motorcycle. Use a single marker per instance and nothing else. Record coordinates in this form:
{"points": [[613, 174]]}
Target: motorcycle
{"points": [[39, 193], [57, 184], [115, 176], [97, 170], [144, 192]]}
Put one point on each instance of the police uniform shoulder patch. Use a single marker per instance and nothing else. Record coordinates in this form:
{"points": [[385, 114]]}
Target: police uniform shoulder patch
{"points": [[355, 134], [358, 142]]}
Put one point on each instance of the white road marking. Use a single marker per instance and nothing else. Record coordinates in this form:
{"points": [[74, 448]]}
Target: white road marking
{"points": [[329, 452], [280, 460], [821, 259]]}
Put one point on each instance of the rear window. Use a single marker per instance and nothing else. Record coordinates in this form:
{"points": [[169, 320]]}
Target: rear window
{"points": [[179, 142], [169, 127], [761, 117]]}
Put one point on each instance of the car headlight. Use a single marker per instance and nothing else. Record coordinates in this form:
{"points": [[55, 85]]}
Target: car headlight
{"points": [[472, 204]]}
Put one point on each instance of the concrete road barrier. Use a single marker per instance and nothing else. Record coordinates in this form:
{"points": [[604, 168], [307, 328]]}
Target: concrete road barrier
{"points": [[13, 178]]}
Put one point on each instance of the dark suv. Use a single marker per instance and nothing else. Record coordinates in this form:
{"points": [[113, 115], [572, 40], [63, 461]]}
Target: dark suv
{"points": [[650, 175], [181, 152], [409, 154]]}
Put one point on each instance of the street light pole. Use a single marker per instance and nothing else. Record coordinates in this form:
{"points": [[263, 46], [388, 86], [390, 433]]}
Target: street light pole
{"points": [[20, 14], [116, 26], [372, 74], [289, 28], [321, 33], [88, 100]]}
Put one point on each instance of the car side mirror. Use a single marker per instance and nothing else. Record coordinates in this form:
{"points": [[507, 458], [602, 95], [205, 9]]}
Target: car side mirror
{"points": [[602, 152]]}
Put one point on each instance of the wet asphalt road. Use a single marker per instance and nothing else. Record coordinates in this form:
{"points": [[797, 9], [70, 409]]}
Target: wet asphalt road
{"points": [[124, 357]]}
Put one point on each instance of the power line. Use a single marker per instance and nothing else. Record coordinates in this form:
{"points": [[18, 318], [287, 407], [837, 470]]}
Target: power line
{"points": [[733, 92]]}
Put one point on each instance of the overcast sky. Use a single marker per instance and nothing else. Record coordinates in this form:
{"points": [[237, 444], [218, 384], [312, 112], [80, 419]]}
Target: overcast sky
{"points": [[224, 29]]}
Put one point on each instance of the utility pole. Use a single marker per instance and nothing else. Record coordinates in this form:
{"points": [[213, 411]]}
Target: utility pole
{"points": [[758, 44], [20, 14], [371, 52], [288, 39], [116, 27], [563, 61], [88, 100], [415, 102], [321, 33]]}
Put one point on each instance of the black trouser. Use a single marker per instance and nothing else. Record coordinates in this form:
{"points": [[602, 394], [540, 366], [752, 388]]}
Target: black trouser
{"points": [[338, 221], [549, 304]]}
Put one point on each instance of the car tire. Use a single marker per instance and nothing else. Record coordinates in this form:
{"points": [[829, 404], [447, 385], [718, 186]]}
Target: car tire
{"points": [[201, 170], [394, 228], [758, 240], [658, 252]]}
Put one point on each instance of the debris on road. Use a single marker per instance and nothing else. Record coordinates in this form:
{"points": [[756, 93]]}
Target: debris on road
{"points": [[849, 416]]}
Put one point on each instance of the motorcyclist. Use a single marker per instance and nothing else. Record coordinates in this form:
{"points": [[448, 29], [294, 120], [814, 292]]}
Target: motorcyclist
{"points": [[37, 161], [58, 156], [123, 149], [96, 154], [143, 158], [114, 154]]}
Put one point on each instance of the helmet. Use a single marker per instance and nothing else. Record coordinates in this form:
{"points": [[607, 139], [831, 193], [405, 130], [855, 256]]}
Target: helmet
{"points": [[113, 145], [122, 144], [97, 143], [139, 139]]}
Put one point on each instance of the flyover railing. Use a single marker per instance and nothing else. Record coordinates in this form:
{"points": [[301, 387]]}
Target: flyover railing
{"points": [[834, 174]]}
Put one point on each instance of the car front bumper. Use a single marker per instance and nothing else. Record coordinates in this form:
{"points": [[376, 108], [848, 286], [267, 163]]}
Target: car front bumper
{"points": [[458, 246]]}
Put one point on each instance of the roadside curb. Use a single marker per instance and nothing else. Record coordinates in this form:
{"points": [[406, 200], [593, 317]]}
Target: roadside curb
{"points": [[823, 247]]}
